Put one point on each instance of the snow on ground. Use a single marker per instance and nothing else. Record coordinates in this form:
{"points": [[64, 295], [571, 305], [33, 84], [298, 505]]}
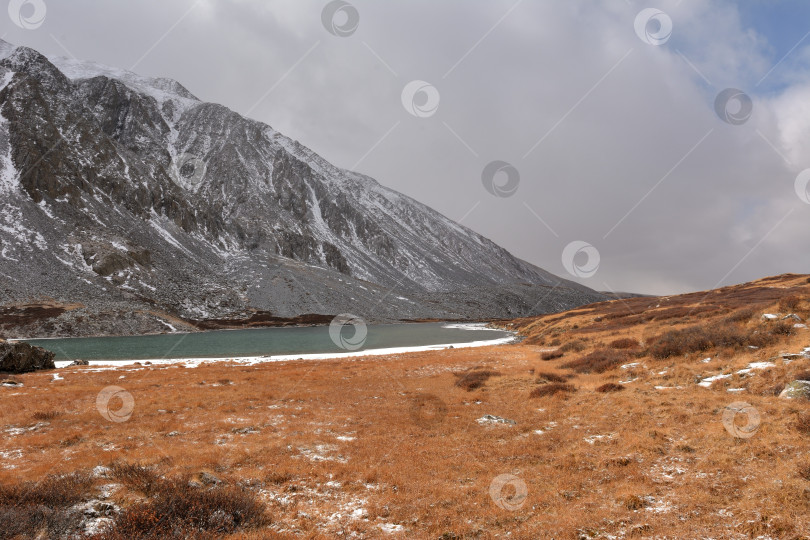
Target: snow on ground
{"points": [[756, 365], [707, 382], [593, 439]]}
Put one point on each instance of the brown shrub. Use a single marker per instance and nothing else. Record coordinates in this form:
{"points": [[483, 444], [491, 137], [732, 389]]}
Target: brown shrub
{"points": [[741, 315], [703, 338], [551, 389], [802, 376], [47, 415], [610, 387], [52, 491], [551, 377], [42, 509], [782, 329], [180, 510], [624, 343], [551, 355], [137, 477], [804, 471], [471, 380], [789, 303], [634, 502], [598, 361], [278, 477], [802, 424], [577, 345]]}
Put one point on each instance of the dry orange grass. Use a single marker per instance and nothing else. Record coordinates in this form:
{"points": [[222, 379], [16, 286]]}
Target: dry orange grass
{"points": [[393, 447]]}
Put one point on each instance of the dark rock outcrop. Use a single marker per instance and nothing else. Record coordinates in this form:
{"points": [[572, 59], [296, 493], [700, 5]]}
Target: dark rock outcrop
{"points": [[24, 358]]}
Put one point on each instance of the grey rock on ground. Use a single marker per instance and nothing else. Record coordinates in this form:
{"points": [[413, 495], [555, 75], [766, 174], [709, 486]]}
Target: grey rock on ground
{"points": [[796, 390]]}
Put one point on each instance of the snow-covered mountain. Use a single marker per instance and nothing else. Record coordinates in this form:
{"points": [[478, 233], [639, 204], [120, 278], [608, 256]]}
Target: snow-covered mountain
{"points": [[131, 197]]}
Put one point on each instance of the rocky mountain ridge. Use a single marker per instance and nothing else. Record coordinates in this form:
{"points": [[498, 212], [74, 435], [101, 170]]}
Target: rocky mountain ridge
{"points": [[144, 208]]}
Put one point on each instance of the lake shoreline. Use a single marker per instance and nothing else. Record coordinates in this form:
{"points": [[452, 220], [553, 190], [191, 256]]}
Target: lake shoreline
{"points": [[253, 360], [254, 346]]}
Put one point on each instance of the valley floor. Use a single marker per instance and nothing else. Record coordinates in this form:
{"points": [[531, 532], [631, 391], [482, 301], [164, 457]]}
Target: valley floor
{"points": [[530, 440]]}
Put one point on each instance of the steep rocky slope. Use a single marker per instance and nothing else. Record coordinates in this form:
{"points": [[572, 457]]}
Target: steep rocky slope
{"points": [[149, 208]]}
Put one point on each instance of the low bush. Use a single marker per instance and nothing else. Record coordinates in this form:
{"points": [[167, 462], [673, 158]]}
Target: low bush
{"points": [[137, 477], [802, 424], [802, 376], [610, 387], [577, 345], [789, 303], [278, 477], [551, 389], [782, 329], [703, 338], [551, 377], [598, 361], [551, 355], [741, 315], [181, 510], [43, 509], [804, 471], [471, 380], [624, 343], [52, 491], [47, 415], [634, 502]]}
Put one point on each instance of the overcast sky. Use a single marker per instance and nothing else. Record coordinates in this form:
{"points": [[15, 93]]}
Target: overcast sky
{"points": [[607, 113]]}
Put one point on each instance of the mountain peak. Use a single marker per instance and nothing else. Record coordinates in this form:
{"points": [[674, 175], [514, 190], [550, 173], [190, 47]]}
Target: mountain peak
{"points": [[135, 196], [161, 88]]}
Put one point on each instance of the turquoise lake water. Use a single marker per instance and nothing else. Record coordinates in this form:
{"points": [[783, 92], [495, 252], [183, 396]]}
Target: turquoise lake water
{"points": [[259, 342]]}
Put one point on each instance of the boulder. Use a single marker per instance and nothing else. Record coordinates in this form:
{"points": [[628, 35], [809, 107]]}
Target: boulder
{"points": [[492, 419], [209, 479], [796, 390], [81, 362], [24, 358]]}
